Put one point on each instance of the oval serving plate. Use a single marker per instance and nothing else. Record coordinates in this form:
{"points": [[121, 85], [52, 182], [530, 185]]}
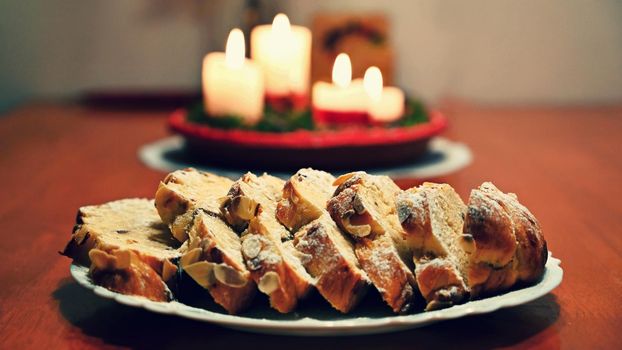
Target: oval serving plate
{"points": [[347, 148], [319, 321]]}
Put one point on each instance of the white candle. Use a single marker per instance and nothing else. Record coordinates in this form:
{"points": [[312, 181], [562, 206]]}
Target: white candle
{"points": [[386, 104], [232, 84], [284, 53], [343, 95]]}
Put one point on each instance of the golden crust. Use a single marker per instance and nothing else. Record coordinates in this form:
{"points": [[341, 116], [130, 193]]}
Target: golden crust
{"points": [[388, 273], [440, 283], [531, 251], [330, 258], [135, 278], [486, 280], [492, 230], [510, 246], [274, 268], [231, 286]]}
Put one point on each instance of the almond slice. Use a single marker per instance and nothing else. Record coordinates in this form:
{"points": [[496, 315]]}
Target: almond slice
{"points": [[123, 258], [168, 270], [225, 274], [269, 282], [191, 257], [251, 247], [201, 272]]}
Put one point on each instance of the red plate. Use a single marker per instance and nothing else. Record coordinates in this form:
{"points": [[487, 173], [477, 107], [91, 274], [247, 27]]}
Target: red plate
{"points": [[348, 148]]}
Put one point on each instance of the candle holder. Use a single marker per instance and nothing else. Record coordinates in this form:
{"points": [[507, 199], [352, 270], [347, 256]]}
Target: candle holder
{"points": [[290, 140]]}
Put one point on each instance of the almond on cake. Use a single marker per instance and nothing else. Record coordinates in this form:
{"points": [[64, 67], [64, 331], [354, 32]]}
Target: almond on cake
{"points": [[250, 207], [212, 258], [189, 201]]}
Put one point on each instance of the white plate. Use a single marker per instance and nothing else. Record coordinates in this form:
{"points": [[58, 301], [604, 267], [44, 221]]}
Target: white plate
{"points": [[312, 319], [443, 157]]}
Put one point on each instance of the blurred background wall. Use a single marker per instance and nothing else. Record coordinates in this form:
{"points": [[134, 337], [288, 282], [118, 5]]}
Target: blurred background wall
{"points": [[487, 51]]}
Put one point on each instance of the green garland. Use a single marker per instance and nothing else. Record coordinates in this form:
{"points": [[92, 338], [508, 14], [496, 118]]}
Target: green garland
{"points": [[274, 121]]}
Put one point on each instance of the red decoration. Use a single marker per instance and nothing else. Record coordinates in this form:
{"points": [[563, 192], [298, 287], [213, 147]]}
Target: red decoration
{"points": [[349, 147], [323, 117]]}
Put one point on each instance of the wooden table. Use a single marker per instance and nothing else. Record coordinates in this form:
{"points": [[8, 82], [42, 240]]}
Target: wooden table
{"points": [[565, 164]]}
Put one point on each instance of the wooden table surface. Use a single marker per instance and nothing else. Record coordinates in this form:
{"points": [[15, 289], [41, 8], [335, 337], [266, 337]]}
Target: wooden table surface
{"points": [[564, 163]]}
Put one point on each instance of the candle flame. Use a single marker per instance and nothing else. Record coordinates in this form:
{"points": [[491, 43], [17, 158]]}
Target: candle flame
{"points": [[280, 24], [372, 82], [235, 50], [342, 70]]}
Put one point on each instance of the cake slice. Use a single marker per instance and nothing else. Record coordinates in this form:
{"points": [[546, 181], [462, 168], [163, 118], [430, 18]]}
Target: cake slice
{"points": [[212, 258], [250, 207], [129, 250], [363, 205], [432, 216], [182, 192], [329, 254], [189, 201], [304, 198], [509, 244], [245, 195]]}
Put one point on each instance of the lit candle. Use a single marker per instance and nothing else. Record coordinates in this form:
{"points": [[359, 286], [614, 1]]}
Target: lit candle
{"points": [[284, 53], [386, 104], [232, 84], [343, 101]]}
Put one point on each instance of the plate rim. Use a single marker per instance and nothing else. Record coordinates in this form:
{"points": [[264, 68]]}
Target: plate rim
{"points": [[552, 277]]}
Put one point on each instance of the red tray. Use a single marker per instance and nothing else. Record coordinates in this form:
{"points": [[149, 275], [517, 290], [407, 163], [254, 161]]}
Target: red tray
{"points": [[348, 148]]}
